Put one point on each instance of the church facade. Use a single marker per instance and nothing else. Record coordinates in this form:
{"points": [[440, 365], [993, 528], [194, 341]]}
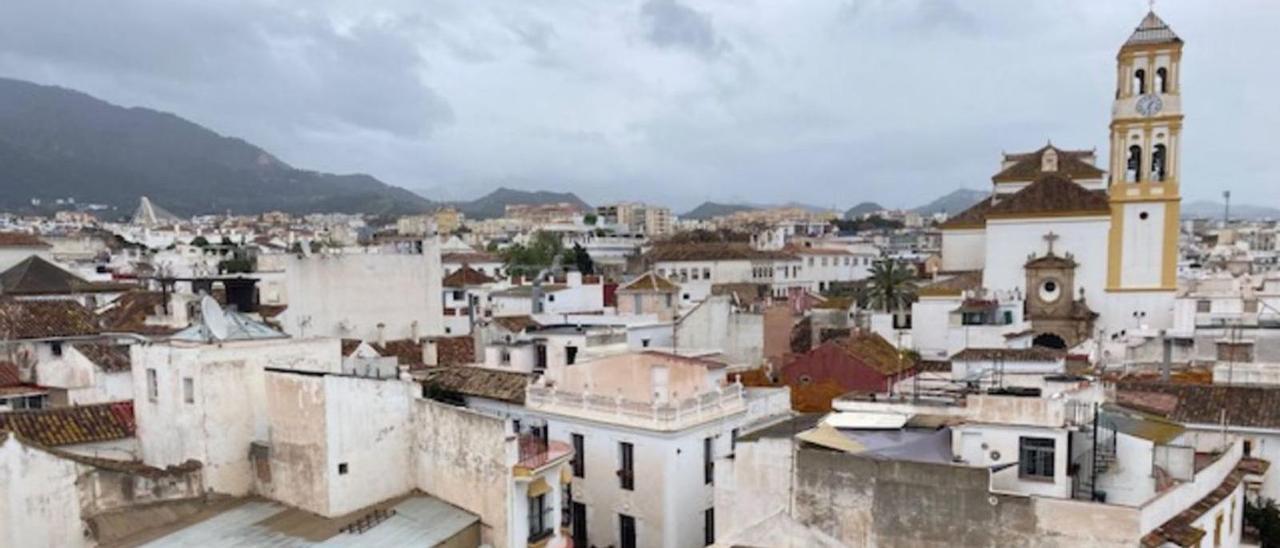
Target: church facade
{"points": [[1064, 251]]}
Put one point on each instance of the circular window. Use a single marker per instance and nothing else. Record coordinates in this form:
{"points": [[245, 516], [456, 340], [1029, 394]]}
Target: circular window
{"points": [[1143, 215], [805, 379], [1050, 290]]}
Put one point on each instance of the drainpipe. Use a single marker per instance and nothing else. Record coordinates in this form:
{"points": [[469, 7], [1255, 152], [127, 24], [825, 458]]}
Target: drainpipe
{"points": [[1166, 361]]}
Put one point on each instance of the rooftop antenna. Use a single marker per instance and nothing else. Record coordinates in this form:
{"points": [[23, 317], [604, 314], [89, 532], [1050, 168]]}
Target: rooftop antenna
{"points": [[213, 317]]}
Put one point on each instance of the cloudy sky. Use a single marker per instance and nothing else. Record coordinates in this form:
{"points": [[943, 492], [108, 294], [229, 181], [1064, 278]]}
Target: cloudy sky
{"points": [[676, 101]]}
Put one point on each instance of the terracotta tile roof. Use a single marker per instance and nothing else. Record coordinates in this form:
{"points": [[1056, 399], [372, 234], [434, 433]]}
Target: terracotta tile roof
{"points": [[505, 386], [953, 286], [874, 351], [668, 252], [516, 324], [111, 358], [10, 375], [743, 293], [36, 276], [18, 239], [469, 257], [1180, 531], [1051, 195], [1249, 406], [455, 350], [649, 281], [465, 277], [73, 425], [1026, 167], [349, 346], [801, 250], [1033, 354], [268, 311], [691, 360], [128, 314], [406, 351], [45, 319], [974, 217]]}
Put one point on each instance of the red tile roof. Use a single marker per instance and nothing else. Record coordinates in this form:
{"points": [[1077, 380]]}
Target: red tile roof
{"points": [[111, 358], [45, 319], [466, 277], [36, 276], [667, 252], [10, 375], [1051, 194], [18, 239], [649, 281], [455, 350], [128, 314], [73, 425], [1026, 167]]}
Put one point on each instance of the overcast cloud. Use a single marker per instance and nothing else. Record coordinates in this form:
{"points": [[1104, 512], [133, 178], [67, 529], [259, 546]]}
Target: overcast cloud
{"points": [[675, 101]]}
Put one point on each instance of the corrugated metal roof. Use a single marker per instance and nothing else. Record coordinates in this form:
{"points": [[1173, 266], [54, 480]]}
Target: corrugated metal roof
{"points": [[418, 521]]}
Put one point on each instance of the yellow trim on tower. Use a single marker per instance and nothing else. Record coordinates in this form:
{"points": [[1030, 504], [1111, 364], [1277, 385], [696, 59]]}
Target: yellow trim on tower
{"points": [[1172, 212], [1115, 245]]}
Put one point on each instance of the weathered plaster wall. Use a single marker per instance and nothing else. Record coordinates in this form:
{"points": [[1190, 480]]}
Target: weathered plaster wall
{"points": [[38, 498], [370, 429], [755, 483], [349, 295], [465, 458], [296, 413], [714, 324]]}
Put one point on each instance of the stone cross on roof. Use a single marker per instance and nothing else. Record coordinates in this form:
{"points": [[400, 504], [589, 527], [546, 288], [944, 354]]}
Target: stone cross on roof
{"points": [[1050, 238]]}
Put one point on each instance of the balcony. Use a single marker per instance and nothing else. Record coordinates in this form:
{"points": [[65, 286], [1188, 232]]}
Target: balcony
{"points": [[537, 455]]}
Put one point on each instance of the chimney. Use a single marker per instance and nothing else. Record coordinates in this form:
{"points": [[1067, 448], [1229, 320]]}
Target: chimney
{"points": [[382, 334], [414, 327], [431, 354]]}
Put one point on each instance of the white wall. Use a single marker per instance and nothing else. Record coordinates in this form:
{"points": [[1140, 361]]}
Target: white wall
{"points": [[39, 505], [714, 324], [969, 439], [964, 249], [348, 295], [229, 407], [1084, 237], [464, 458], [369, 427], [1142, 244]]}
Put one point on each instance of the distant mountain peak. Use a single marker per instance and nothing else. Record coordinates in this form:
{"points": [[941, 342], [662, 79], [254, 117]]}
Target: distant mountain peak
{"points": [[953, 202]]}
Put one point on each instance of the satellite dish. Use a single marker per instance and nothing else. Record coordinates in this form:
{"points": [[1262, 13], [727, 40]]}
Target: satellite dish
{"points": [[214, 318]]}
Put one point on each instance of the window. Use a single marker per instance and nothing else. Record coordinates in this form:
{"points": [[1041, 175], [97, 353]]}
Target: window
{"points": [[551, 298], [1035, 458], [637, 304], [342, 468], [1162, 80], [668, 298], [824, 261], [579, 465], [188, 390], [644, 343], [1203, 306], [580, 524], [708, 460], [56, 348], [709, 526], [1139, 82], [1133, 169], [458, 295], [626, 466], [153, 385], [733, 440], [626, 531], [1157, 163], [539, 518], [570, 355], [706, 273]]}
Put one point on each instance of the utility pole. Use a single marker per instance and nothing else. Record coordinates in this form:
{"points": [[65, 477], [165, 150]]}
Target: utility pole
{"points": [[1226, 208]]}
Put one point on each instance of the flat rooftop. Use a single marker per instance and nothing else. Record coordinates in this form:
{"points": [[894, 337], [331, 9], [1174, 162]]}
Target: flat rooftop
{"points": [[414, 520]]}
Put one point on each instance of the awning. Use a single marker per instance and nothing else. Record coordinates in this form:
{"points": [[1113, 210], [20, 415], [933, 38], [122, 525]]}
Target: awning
{"points": [[539, 487]]}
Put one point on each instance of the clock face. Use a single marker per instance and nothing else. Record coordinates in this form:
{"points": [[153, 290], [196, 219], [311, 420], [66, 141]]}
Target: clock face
{"points": [[1149, 105]]}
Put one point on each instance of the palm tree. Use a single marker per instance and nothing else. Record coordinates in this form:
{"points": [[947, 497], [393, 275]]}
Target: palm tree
{"points": [[892, 285]]}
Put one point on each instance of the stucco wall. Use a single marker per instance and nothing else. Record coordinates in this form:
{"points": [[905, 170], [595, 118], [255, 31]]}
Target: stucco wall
{"points": [[465, 458], [714, 325], [349, 295], [38, 498], [755, 483], [963, 249], [298, 466], [369, 428]]}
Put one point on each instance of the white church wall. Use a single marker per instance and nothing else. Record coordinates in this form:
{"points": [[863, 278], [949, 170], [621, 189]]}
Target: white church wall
{"points": [[1013, 240], [964, 249], [931, 324], [1143, 248]]}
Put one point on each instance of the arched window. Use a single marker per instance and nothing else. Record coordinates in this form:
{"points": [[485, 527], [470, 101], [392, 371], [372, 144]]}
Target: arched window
{"points": [[1157, 163], [1162, 80], [1139, 82], [1133, 169]]}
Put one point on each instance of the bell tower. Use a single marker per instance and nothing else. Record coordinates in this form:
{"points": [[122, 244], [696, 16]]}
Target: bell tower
{"points": [[1146, 128]]}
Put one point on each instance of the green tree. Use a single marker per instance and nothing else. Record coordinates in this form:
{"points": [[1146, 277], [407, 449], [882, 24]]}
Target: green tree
{"points": [[1264, 517], [579, 257], [529, 259], [199, 241], [589, 219], [892, 285]]}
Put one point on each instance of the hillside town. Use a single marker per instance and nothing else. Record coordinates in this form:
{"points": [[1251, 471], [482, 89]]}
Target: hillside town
{"points": [[1066, 360]]}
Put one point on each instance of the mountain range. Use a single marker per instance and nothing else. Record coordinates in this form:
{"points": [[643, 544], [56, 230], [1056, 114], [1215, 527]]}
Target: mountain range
{"points": [[57, 143], [1205, 209]]}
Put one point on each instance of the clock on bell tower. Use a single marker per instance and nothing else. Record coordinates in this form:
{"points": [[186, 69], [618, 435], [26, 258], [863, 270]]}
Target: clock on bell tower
{"points": [[1146, 127]]}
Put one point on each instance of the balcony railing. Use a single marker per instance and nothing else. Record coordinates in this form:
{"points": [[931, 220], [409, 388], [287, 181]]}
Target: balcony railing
{"points": [[657, 415], [536, 452]]}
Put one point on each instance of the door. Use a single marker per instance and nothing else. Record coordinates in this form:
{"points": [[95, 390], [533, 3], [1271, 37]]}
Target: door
{"points": [[580, 524]]}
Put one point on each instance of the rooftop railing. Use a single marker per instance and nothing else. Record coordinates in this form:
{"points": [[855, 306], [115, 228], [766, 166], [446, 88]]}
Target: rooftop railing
{"points": [[655, 415]]}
